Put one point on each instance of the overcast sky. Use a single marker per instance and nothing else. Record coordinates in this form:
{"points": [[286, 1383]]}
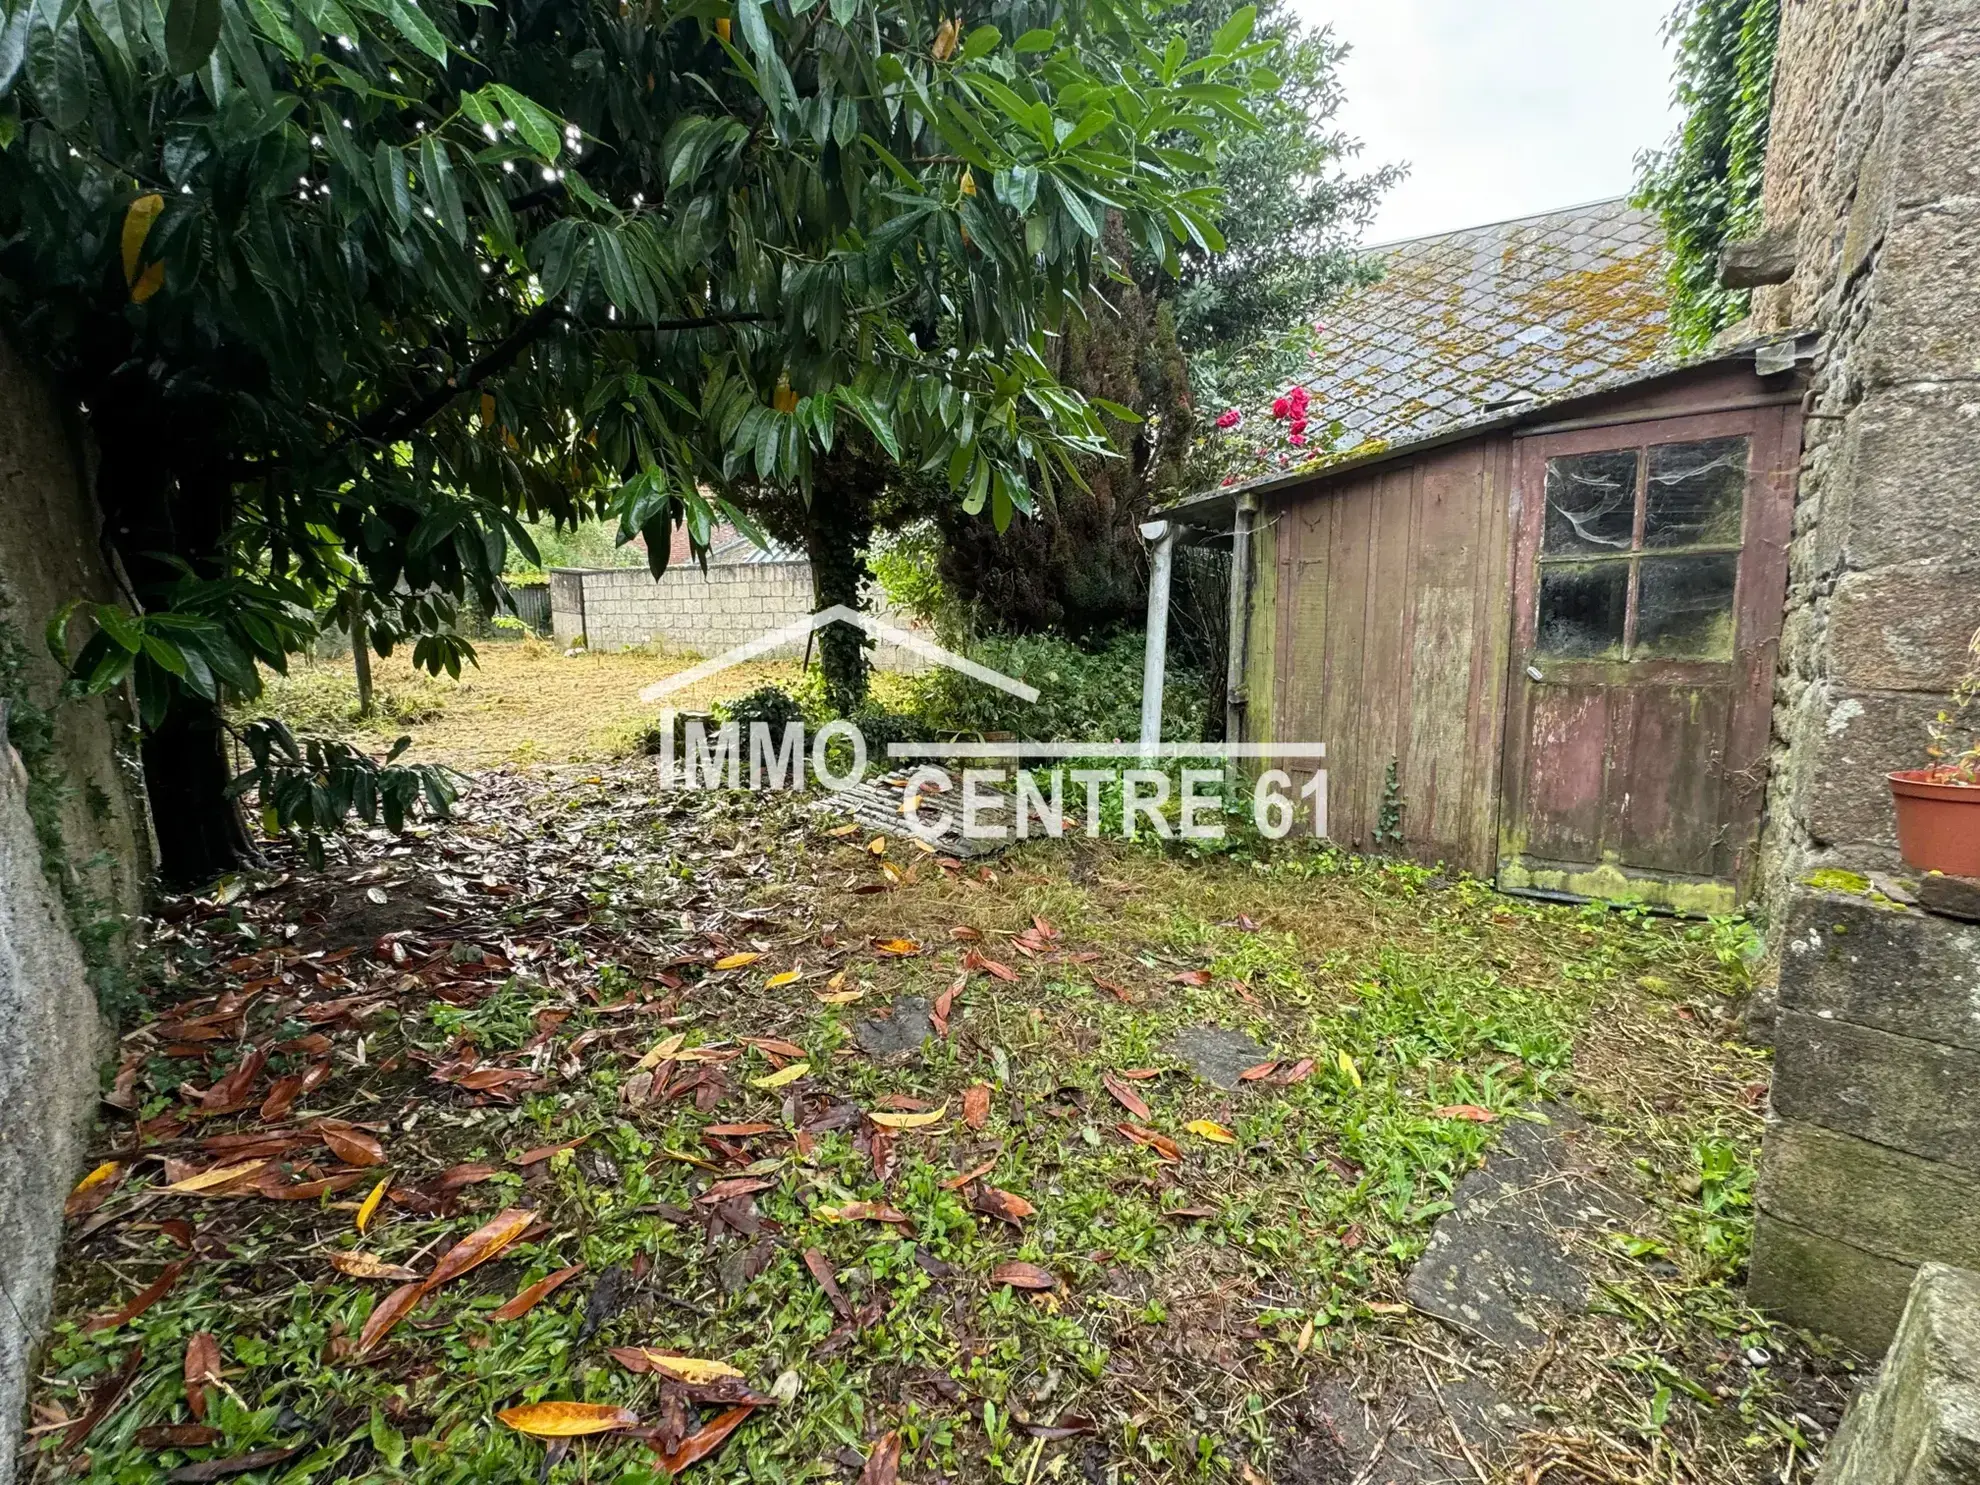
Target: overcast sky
{"points": [[1502, 108]]}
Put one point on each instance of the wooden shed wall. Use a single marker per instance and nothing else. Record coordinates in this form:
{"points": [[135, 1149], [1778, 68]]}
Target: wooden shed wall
{"points": [[1381, 623]]}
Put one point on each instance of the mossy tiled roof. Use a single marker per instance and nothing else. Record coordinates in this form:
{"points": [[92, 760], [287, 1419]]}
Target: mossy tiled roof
{"points": [[1467, 325]]}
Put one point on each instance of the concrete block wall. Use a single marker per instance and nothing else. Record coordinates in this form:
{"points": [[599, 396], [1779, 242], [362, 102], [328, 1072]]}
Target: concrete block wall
{"points": [[704, 613], [1872, 1159]]}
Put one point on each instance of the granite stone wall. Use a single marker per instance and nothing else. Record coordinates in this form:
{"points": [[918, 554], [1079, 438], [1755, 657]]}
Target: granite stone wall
{"points": [[1874, 173], [74, 852], [704, 613]]}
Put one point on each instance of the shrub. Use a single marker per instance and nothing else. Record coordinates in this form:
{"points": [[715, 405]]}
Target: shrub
{"points": [[1086, 695], [771, 705]]}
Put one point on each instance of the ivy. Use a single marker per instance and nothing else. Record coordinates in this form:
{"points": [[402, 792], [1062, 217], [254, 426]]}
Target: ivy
{"points": [[1706, 183]]}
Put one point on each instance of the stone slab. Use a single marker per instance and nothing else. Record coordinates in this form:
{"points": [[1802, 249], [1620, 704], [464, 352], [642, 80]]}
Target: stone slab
{"points": [[1912, 1095], [900, 1033], [1880, 1200], [1844, 957], [1503, 1263], [1925, 320], [1820, 1284], [1918, 1423], [1951, 897], [1915, 456], [1215, 1054]]}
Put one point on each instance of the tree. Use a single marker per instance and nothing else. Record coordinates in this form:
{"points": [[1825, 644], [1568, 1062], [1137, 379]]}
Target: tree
{"points": [[351, 291], [1168, 345], [1706, 183]]}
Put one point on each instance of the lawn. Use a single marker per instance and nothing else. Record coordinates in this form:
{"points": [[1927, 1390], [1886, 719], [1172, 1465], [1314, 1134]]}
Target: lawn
{"points": [[655, 1031], [524, 702]]}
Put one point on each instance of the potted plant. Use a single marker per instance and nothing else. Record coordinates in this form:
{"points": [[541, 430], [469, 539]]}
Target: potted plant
{"points": [[1938, 807]]}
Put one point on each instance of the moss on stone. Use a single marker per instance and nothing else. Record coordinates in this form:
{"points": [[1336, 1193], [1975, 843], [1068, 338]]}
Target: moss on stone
{"points": [[1834, 879]]}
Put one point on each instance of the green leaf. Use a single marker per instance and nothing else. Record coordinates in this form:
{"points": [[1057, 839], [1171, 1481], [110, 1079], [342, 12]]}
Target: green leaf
{"points": [[125, 632], [14, 42], [416, 27], [541, 130], [876, 420], [982, 41], [1115, 411], [1041, 40], [1234, 32], [192, 30]]}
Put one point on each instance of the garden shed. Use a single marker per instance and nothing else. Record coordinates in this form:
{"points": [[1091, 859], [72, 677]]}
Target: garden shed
{"points": [[1533, 622]]}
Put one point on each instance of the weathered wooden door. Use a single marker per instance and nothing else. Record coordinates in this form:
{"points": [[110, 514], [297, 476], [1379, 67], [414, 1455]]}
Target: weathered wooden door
{"points": [[1649, 579]]}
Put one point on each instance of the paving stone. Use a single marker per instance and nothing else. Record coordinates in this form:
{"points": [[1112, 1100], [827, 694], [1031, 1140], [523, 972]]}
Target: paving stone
{"points": [[1504, 1263], [1215, 1054], [900, 1033]]}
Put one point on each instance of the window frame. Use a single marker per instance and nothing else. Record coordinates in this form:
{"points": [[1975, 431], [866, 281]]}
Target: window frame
{"points": [[1640, 446]]}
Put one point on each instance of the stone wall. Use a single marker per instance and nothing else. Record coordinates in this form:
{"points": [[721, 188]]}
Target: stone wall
{"points": [[1875, 167], [704, 613], [1874, 172], [74, 850]]}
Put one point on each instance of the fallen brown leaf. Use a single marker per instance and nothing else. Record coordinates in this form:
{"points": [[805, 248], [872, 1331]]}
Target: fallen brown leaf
{"points": [[1023, 1276], [1468, 1111], [976, 1105], [1002, 1205], [820, 1268], [387, 1313], [1126, 1097], [535, 1294], [883, 1465], [481, 1245], [705, 1441], [1155, 1140], [143, 1300], [202, 1370]]}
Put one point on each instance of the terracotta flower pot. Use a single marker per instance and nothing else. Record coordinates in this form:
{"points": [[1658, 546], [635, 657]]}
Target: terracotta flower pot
{"points": [[1938, 823]]}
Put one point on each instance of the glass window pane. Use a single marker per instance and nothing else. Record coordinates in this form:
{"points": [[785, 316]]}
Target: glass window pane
{"points": [[1697, 493], [1583, 607], [1685, 611], [1591, 503]]}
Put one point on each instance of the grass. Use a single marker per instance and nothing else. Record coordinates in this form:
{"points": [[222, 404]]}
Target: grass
{"points": [[1196, 1303], [524, 703]]}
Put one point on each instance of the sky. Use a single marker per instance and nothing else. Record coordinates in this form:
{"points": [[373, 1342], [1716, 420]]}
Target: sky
{"points": [[1503, 108]]}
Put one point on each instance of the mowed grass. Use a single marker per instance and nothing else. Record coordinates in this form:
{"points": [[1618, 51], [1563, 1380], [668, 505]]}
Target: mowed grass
{"points": [[523, 702], [1192, 1298]]}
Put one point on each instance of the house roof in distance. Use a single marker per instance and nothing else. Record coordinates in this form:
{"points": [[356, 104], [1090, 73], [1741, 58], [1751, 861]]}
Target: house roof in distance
{"points": [[1465, 325]]}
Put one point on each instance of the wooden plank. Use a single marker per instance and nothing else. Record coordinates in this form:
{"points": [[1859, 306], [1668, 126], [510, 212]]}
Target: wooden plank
{"points": [[1383, 673]]}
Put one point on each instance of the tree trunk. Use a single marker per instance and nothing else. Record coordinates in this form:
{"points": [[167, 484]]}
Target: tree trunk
{"points": [[838, 530], [153, 515], [200, 831], [360, 649]]}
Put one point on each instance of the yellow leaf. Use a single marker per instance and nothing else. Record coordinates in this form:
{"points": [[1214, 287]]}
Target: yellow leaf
{"points": [[567, 1420], [892, 873], [910, 1121], [968, 182], [96, 1177], [369, 1266], [1211, 1130], [737, 961], [206, 1180], [149, 283], [899, 948], [137, 227], [660, 1053], [1352, 1073], [788, 977], [784, 1075], [844, 830], [842, 997], [723, 27], [368, 1208], [837, 982], [945, 40], [695, 1371], [784, 399], [878, 845]]}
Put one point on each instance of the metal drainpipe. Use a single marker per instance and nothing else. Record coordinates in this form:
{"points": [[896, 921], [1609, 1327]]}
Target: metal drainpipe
{"points": [[1236, 696], [1155, 657]]}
